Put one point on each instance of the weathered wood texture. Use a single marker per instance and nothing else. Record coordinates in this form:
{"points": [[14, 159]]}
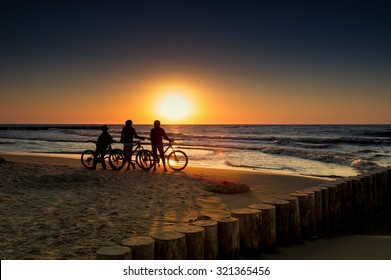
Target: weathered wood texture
{"points": [[170, 245], [229, 240], [195, 236], [143, 247], [114, 253], [211, 241], [268, 226], [249, 231]]}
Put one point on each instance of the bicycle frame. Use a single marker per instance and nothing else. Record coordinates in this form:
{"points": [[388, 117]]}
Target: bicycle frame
{"points": [[141, 156], [176, 159], [136, 148], [169, 145]]}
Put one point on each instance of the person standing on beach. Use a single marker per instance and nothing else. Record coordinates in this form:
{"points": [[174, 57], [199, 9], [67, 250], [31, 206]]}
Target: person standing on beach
{"points": [[128, 132], [157, 135], [104, 140]]}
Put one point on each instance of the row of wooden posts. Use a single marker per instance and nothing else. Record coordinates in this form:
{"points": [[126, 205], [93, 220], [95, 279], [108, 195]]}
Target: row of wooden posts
{"points": [[344, 206]]}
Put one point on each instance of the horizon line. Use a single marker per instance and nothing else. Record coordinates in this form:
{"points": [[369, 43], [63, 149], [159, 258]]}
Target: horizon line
{"points": [[249, 124]]}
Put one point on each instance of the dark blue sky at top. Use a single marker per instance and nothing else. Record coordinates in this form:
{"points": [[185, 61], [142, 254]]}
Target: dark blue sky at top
{"points": [[256, 36], [66, 28]]}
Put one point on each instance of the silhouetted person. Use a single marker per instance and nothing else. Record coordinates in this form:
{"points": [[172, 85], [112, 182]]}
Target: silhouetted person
{"points": [[127, 134], [104, 140], [157, 135]]}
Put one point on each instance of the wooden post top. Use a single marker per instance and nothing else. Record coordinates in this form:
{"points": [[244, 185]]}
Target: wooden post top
{"points": [[205, 223], [137, 241], [188, 228], [168, 235], [226, 219], [286, 197], [276, 201], [113, 251], [245, 211], [262, 206], [299, 194]]}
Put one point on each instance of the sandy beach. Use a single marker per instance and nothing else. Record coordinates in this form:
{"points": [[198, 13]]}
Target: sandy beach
{"points": [[54, 208]]}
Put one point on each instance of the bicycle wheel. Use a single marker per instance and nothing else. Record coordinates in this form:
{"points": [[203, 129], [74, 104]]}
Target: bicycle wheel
{"points": [[116, 159], [144, 159], [87, 159], [177, 160]]}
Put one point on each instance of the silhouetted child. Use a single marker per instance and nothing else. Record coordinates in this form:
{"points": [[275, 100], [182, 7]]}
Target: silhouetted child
{"points": [[104, 140], [127, 134], [157, 135]]}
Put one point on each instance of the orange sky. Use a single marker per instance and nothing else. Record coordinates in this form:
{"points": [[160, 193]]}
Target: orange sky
{"points": [[248, 63], [212, 100]]}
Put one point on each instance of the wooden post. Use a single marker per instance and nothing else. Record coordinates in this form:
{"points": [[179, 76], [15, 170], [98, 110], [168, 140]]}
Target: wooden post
{"points": [[325, 208], [304, 214], [114, 253], [349, 205], [143, 247], [294, 217], [311, 213], [249, 231], [338, 193], [211, 245], [282, 220], [377, 193], [366, 182], [332, 190], [358, 204], [195, 236], [229, 242], [370, 193], [388, 189], [318, 210], [268, 226], [170, 245], [383, 177], [346, 204]]}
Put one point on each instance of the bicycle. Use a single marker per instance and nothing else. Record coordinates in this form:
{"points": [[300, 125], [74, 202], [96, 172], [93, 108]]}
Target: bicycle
{"points": [[176, 159], [143, 157], [115, 158]]}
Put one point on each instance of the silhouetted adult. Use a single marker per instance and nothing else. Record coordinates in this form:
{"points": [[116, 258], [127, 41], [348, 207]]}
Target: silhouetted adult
{"points": [[157, 135], [128, 132], [104, 140]]}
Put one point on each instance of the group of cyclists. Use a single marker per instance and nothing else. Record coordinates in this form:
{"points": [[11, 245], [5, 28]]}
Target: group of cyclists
{"points": [[157, 135]]}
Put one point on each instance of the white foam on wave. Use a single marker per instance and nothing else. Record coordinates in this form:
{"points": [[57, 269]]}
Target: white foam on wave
{"points": [[363, 164]]}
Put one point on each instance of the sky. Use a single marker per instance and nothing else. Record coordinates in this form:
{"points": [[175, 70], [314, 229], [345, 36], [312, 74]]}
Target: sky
{"points": [[196, 62]]}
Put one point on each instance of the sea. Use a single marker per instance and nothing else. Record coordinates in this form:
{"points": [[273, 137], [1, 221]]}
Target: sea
{"points": [[325, 151]]}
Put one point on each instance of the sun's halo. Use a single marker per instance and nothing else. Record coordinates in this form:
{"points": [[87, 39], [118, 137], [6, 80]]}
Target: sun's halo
{"points": [[174, 107]]}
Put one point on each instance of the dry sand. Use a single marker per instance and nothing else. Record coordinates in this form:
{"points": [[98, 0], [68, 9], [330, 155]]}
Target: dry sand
{"points": [[54, 208]]}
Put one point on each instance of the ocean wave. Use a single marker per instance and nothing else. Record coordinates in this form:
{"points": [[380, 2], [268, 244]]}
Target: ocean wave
{"points": [[259, 167], [39, 139], [325, 156], [384, 134], [318, 142], [71, 135], [363, 165], [360, 147], [6, 143], [230, 164]]}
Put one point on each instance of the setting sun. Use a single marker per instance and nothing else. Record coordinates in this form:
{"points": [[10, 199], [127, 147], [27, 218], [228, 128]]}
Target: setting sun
{"points": [[174, 106]]}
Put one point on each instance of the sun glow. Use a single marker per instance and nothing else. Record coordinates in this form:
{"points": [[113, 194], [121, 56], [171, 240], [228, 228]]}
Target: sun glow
{"points": [[174, 106]]}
